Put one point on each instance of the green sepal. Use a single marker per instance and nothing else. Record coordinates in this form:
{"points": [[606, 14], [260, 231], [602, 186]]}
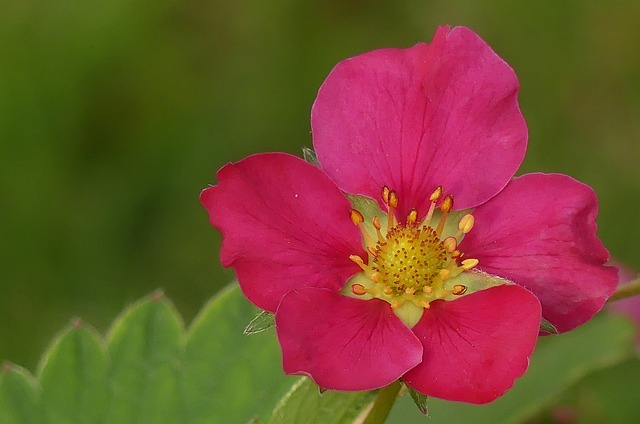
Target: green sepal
{"points": [[369, 208], [263, 321], [310, 156], [547, 327], [419, 399]]}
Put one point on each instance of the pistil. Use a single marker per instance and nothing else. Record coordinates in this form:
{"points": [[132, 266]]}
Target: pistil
{"points": [[411, 262]]}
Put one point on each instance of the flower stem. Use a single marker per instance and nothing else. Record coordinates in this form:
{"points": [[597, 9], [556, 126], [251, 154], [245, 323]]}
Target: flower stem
{"points": [[383, 403], [629, 289]]}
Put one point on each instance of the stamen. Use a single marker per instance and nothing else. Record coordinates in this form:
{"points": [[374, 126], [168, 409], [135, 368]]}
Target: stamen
{"points": [[435, 196], [465, 225], [459, 289], [358, 260], [445, 207], [392, 204], [358, 219], [447, 204], [376, 224], [450, 244], [467, 264], [358, 289], [356, 216], [385, 195], [412, 217]]}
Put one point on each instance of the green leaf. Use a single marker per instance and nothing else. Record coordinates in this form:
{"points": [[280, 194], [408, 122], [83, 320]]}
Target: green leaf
{"points": [[304, 404], [263, 321], [558, 362], [20, 401], [227, 376], [609, 395], [144, 346], [74, 377]]}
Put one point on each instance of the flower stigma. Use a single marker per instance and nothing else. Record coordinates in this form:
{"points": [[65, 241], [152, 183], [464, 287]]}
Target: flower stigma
{"points": [[412, 263]]}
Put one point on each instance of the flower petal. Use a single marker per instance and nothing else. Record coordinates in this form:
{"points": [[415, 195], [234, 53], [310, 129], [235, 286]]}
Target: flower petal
{"points": [[540, 232], [344, 343], [284, 224], [476, 346], [439, 114]]}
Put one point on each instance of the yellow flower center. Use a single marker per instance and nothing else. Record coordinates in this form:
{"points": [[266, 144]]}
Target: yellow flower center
{"points": [[411, 264]]}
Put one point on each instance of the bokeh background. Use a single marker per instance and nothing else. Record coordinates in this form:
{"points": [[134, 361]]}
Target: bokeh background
{"points": [[114, 114]]}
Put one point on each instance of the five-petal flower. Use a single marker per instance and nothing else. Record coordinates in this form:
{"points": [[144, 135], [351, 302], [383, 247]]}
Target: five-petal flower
{"points": [[437, 266]]}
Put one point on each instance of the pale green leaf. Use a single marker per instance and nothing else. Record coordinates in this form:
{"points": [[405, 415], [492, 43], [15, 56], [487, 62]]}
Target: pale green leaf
{"points": [[229, 377], [609, 395], [20, 397], [74, 377], [144, 348], [304, 404]]}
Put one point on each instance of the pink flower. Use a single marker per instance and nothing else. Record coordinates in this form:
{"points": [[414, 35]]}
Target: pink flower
{"points": [[401, 281]]}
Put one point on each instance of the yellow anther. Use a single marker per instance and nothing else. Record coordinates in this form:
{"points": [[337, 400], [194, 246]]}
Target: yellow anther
{"points": [[376, 224], [356, 216], [358, 260], [427, 289], [395, 303], [469, 263], [358, 289], [437, 194], [466, 223], [447, 204], [376, 277], [425, 304], [444, 274], [450, 244], [459, 289], [445, 207], [388, 290], [410, 290], [393, 199], [385, 195], [456, 254], [412, 217]]}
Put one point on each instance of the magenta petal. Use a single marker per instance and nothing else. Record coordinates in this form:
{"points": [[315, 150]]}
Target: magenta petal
{"points": [[439, 114], [540, 232], [284, 224], [476, 346], [344, 343]]}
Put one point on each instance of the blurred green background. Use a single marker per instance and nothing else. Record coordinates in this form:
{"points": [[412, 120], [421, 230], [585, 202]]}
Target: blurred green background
{"points": [[114, 114]]}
